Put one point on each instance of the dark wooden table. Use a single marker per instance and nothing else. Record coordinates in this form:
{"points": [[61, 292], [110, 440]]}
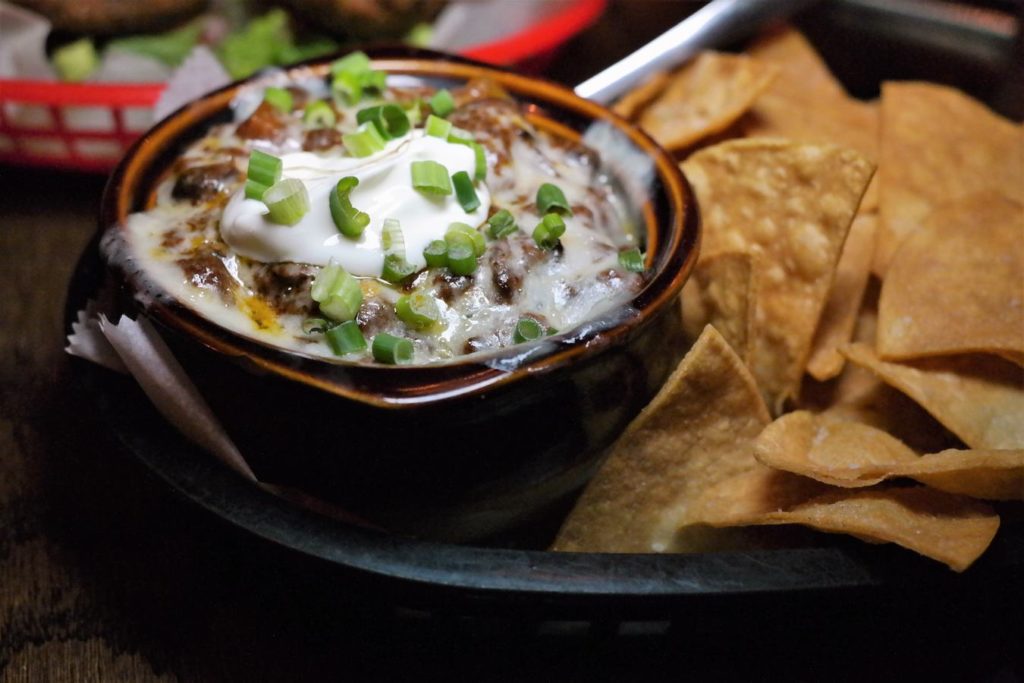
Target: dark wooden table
{"points": [[105, 575]]}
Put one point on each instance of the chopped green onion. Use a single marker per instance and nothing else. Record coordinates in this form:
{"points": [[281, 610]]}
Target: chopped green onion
{"points": [[461, 259], [430, 177], [392, 240], [315, 326], [480, 170], [391, 349], [364, 142], [418, 310], [319, 114], [501, 224], [460, 233], [76, 61], [254, 190], [527, 329], [337, 292], [396, 269], [551, 199], [438, 127], [547, 232], [460, 136], [436, 254], [632, 260], [465, 193], [279, 98], [442, 103], [351, 75], [414, 112], [350, 221], [389, 119], [346, 338], [264, 168], [287, 201]]}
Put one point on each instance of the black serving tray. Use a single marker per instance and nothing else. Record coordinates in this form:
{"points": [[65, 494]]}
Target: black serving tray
{"points": [[501, 580]]}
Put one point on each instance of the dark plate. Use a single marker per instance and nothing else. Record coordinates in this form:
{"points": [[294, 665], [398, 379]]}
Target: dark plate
{"points": [[474, 578], [496, 580]]}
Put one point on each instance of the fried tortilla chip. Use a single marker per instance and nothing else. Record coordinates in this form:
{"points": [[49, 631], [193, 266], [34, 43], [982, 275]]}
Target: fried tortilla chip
{"points": [[718, 293], [697, 431], [957, 285], [938, 145], [806, 103], [977, 397], [849, 454], [951, 529], [704, 97], [636, 99], [839, 318], [790, 205]]}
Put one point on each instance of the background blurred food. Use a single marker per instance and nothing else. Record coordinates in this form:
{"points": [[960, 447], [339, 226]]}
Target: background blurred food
{"points": [[111, 17], [367, 19]]}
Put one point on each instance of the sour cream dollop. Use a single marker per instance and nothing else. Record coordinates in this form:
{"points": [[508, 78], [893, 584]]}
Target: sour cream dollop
{"points": [[385, 191]]}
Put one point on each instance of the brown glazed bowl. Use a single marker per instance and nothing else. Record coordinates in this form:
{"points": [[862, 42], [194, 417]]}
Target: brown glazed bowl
{"points": [[453, 450]]}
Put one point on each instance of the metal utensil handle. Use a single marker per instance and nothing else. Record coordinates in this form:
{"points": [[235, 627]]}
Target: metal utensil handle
{"points": [[717, 23]]}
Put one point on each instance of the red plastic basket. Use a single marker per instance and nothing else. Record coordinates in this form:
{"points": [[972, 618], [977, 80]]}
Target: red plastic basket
{"points": [[88, 127]]}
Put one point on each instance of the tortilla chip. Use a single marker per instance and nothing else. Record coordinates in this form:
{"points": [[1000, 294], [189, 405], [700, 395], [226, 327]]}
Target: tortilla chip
{"points": [[957, 285], [839, 318], [638, 98], [948, 528], [979, 398], [798, 61], [938, 145], [698, 430], [718, 294], [848, 454], [806, 103], [790, 205], [705, 97]]}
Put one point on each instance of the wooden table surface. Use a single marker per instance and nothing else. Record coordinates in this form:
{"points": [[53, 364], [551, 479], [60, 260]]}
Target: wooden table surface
{"points": [[107, 576]]}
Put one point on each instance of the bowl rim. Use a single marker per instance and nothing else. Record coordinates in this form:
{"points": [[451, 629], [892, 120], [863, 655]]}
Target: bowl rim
{"points": [[427, 383]]}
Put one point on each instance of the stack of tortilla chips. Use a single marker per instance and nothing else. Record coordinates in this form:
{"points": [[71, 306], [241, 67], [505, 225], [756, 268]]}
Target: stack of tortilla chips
{"points": [[857, 316]]}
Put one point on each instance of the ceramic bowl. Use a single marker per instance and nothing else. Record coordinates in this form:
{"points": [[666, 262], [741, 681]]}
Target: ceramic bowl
{"points": [[451, 450]]}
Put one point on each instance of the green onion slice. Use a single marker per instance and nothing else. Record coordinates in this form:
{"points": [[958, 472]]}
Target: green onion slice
{"points": [[465, 192], [442, 103], [551, 199], [461, 259], [527, 329], [254, 190], [350, 221], [438, 127], [337, 292], [430, 177], [418, 310], [460, 136], [436, 254], [501, 224], [392, 350], [351, 76], [632, 260], [264, 169], [287, 201], [346, 338], [389, 119], [480, 169], [460, 233], [319, 114], [315, 325], [396, 269], [365, 141], [279, 98], [392, 240], [547, 232], [414, 112]]}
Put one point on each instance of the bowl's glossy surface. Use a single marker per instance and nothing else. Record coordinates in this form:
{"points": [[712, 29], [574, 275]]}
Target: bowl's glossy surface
{"points": [[451, 449]]}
